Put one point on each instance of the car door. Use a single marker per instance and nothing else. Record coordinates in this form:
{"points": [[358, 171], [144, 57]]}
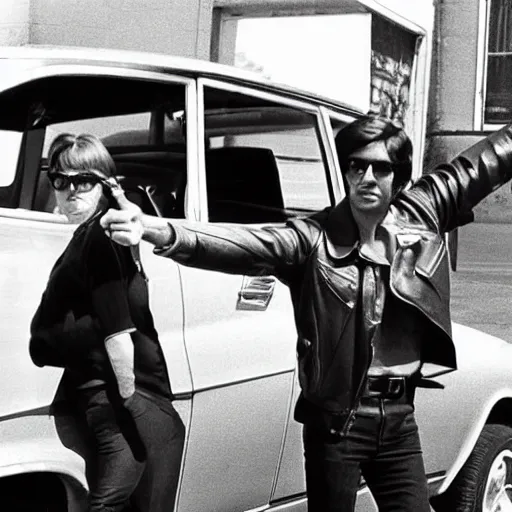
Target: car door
{"points": [[261, 161], [45, 101]]}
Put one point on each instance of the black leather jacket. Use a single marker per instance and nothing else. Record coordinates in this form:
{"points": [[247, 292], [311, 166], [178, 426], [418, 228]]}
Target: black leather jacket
{"points": [[311, 256]]}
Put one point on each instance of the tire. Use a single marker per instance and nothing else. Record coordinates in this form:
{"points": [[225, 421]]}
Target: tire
{"points": [[484, 483]]}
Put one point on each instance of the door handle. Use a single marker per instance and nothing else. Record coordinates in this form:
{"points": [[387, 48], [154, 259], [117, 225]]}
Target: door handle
{"points": [[256, 293]]}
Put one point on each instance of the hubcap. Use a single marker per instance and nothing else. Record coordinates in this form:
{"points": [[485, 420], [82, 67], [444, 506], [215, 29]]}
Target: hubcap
{"points": [[498, 488]]}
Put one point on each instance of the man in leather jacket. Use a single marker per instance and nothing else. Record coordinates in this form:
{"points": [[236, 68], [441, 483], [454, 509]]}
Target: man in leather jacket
{"points": [[369, 281]]}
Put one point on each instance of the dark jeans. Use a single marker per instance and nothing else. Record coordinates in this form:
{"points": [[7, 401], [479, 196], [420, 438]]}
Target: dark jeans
{"points": [[138, 452], [383, 444]]}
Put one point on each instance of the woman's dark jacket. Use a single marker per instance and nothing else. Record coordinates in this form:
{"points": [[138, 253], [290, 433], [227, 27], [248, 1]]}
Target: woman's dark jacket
{"points": [[96, 291], [313, 257]]}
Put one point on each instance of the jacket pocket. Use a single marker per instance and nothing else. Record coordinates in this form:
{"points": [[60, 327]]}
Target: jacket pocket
{"points": [[342, 282], [432, 253], [308, 365]]}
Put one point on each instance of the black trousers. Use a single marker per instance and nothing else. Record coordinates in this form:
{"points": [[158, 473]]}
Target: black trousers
{"points": [[137, 456], [383, 445]]}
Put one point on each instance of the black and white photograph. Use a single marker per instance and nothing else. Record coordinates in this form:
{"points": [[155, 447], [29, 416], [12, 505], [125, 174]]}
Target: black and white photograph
{"points": [[256, 256]]}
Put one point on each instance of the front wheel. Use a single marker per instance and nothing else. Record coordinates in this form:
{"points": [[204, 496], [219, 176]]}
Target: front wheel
{"points": [[484, 483]]}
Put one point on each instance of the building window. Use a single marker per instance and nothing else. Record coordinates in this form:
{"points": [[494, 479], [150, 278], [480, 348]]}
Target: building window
{"points": [[498, 101]]}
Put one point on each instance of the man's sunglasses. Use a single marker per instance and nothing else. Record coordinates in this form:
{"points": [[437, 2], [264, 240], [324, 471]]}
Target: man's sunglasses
{"points": [[355, 164], [82, 182]]}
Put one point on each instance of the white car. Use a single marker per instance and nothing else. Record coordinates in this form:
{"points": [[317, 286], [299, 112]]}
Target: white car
{"points": [[208, 143]]}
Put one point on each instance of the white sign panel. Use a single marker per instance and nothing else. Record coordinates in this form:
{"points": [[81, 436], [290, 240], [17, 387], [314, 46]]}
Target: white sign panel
{"points": [[328, 54]]}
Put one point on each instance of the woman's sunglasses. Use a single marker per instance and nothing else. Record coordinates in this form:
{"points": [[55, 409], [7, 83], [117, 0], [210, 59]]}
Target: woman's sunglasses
{"points": [[82, 182]]}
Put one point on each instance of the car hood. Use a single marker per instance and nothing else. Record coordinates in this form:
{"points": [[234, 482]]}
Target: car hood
{"points": [[476, 348]]}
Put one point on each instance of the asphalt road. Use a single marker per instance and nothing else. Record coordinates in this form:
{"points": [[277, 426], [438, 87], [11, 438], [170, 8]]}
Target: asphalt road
{"points": [[482, 285]]}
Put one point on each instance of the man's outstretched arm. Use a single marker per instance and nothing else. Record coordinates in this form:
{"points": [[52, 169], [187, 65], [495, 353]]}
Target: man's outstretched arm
{"points": [[232, 248]]}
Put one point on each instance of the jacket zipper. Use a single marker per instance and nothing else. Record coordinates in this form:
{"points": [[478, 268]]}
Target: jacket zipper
{"points": [[351, 417]]}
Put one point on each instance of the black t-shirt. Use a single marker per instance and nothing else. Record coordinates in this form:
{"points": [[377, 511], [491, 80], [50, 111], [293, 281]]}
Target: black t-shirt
{"points": [[95, 290]]}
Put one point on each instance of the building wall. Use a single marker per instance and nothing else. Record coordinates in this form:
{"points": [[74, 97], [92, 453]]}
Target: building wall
{"points": [[178, 27], [453, 122], [453, 87], [14, 22]]}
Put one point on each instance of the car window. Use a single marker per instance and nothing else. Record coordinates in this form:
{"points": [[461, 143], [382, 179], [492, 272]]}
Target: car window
{"points": [[122, 130], [264, 161], [10, 143], [128, 116]]}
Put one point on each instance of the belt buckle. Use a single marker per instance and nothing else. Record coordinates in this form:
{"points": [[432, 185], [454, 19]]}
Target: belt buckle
{"points": [[386, 387], [396, 386]]}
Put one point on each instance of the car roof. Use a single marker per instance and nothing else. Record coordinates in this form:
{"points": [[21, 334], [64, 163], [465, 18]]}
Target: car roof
{"points": [[45, 55]]}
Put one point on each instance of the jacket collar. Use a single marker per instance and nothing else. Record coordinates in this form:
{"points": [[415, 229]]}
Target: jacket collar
{"points": [[342, 234]]}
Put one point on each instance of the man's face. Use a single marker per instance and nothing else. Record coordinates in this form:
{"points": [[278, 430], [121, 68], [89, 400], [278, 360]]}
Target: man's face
{"points": [[370, 178]]}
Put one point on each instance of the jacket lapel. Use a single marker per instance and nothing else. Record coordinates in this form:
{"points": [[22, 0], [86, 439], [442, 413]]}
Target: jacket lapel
{"points": [[342, 234]]}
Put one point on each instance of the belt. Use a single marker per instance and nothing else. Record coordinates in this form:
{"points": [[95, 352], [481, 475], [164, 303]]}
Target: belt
{"points": [[386, 386]]}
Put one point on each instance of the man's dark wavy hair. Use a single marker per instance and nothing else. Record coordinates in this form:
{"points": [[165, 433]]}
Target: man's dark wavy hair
{"points": [[369, 129]]}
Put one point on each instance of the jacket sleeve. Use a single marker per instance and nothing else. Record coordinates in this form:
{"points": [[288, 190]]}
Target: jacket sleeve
{"points": [[242, 249], [448, 194]]}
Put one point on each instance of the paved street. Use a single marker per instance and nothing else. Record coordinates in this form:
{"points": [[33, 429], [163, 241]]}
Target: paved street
{"points": [[482, 285]]}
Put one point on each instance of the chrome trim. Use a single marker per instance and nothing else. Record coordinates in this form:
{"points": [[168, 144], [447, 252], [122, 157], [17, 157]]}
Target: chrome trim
{"points": [[309, 106], [326, 116], [202, 193], [346, 118], [330, 149], [242, 381], [256, 293], [285, 505], [259, 509], [194, 211], [436, 477], [72, 69], [45, 410]]}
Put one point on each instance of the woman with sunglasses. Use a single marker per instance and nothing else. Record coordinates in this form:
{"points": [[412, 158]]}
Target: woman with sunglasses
{"points": [[95, 317]]}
